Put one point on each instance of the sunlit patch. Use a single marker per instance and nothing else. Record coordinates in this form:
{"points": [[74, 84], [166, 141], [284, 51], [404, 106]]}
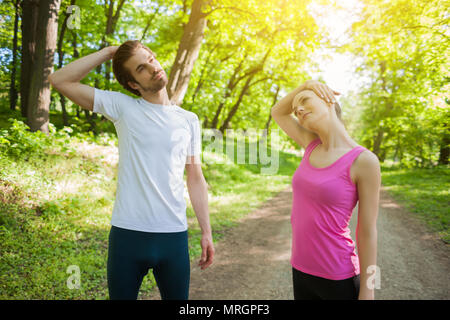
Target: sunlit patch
{"points": [[107, 154]]}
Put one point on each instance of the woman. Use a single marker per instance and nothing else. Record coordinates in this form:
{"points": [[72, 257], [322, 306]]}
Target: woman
{"points": [[333, 175]]}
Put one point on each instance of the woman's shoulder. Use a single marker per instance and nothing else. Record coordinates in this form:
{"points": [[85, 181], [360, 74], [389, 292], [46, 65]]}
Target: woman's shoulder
{"points": [[366, 164]]}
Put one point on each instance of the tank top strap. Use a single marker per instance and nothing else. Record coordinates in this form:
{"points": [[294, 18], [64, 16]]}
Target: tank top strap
{"points": [[348, 159], [310, 147]]}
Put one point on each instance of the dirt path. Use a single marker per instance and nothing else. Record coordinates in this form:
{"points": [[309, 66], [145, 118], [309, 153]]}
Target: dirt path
{"points": [[252, 260]]}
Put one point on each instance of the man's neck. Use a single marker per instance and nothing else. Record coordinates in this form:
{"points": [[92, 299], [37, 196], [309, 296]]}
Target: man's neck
{"points": [[161, 97]]}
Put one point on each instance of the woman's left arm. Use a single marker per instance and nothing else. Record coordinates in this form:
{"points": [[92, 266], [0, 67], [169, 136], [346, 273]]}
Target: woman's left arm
{"points": [[368, 181]]}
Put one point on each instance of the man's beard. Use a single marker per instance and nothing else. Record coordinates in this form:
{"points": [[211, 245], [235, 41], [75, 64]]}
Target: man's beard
{"points": [[155, 85]]}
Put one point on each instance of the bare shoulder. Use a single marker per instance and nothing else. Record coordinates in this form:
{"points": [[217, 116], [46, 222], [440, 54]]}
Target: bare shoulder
{"points": [[367, 157], [367, 166]]}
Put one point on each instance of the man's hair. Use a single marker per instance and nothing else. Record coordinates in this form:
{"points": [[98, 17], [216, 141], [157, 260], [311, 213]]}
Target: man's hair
{"points": [[123, 53]]}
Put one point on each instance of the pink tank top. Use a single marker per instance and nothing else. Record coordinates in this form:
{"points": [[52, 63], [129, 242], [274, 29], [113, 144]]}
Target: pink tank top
{"points": [[323, 201]]}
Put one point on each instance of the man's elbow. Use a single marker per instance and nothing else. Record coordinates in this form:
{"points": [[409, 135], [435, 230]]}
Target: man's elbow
{"points": [[52, 80], [196, 180]]}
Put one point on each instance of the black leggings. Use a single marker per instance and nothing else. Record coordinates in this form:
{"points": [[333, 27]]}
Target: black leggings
{"points": [[309, 287], [132, 253]]}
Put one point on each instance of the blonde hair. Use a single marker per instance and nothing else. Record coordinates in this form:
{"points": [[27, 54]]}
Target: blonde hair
{"points": [[338, 110]]}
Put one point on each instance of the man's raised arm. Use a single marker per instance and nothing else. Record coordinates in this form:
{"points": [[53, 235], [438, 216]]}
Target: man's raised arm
{"points": [[67, 79]]}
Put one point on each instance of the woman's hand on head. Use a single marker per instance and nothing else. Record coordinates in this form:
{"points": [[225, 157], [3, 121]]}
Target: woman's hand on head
{"points": [[322, 90]]}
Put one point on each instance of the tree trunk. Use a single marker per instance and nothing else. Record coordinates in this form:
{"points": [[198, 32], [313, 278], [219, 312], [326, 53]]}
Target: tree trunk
{"points": [[111, 22], [383, 155], [275, 98], [12, 88], [397, 148], [38, 95], [232, 83], [76, 55], [149, 23], [203, 72], [90, 119], [444, 151], [236, 105], [187, 53], [60, 51], [65, 116], [29, 28], [250, 74], [377, 142]]}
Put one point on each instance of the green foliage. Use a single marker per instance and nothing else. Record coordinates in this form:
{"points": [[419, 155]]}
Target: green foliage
{"points": [[404, 105], [19, 142], [270, 47], [399, 112]]}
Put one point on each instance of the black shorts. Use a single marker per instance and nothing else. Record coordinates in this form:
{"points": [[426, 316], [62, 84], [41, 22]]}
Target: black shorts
{"points": [[309, 287]]}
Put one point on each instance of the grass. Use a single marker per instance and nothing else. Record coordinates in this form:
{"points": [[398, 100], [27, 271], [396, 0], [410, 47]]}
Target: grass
{"points": [[56, 204], [55, 213], [423, 191]]}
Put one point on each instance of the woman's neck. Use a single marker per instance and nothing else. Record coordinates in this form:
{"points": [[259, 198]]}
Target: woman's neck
{"points": [[334, 136]]}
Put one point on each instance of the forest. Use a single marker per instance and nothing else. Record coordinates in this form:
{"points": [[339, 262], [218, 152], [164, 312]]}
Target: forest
{"points": [[229, 62], [230, 74]]}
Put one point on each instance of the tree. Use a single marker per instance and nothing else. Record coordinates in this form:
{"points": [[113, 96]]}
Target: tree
{"points": [[112, 17], [187, 53], [12, 88], [401, 45], [190, 44], [255, 57], [61, 53], [39, 33]]}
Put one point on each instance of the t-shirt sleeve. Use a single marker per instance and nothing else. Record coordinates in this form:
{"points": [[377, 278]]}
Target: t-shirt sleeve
{"points": [[109, 103], [195, 147]]}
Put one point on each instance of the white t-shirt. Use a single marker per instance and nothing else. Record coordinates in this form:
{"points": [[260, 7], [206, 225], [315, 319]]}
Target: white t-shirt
{"points": [[154, 141]]}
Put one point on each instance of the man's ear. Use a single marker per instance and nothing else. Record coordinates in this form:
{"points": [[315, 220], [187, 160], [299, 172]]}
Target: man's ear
{"points": [[133, 85]]}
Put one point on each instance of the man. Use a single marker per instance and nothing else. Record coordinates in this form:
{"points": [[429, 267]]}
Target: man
{"points": [[157, 141]]}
